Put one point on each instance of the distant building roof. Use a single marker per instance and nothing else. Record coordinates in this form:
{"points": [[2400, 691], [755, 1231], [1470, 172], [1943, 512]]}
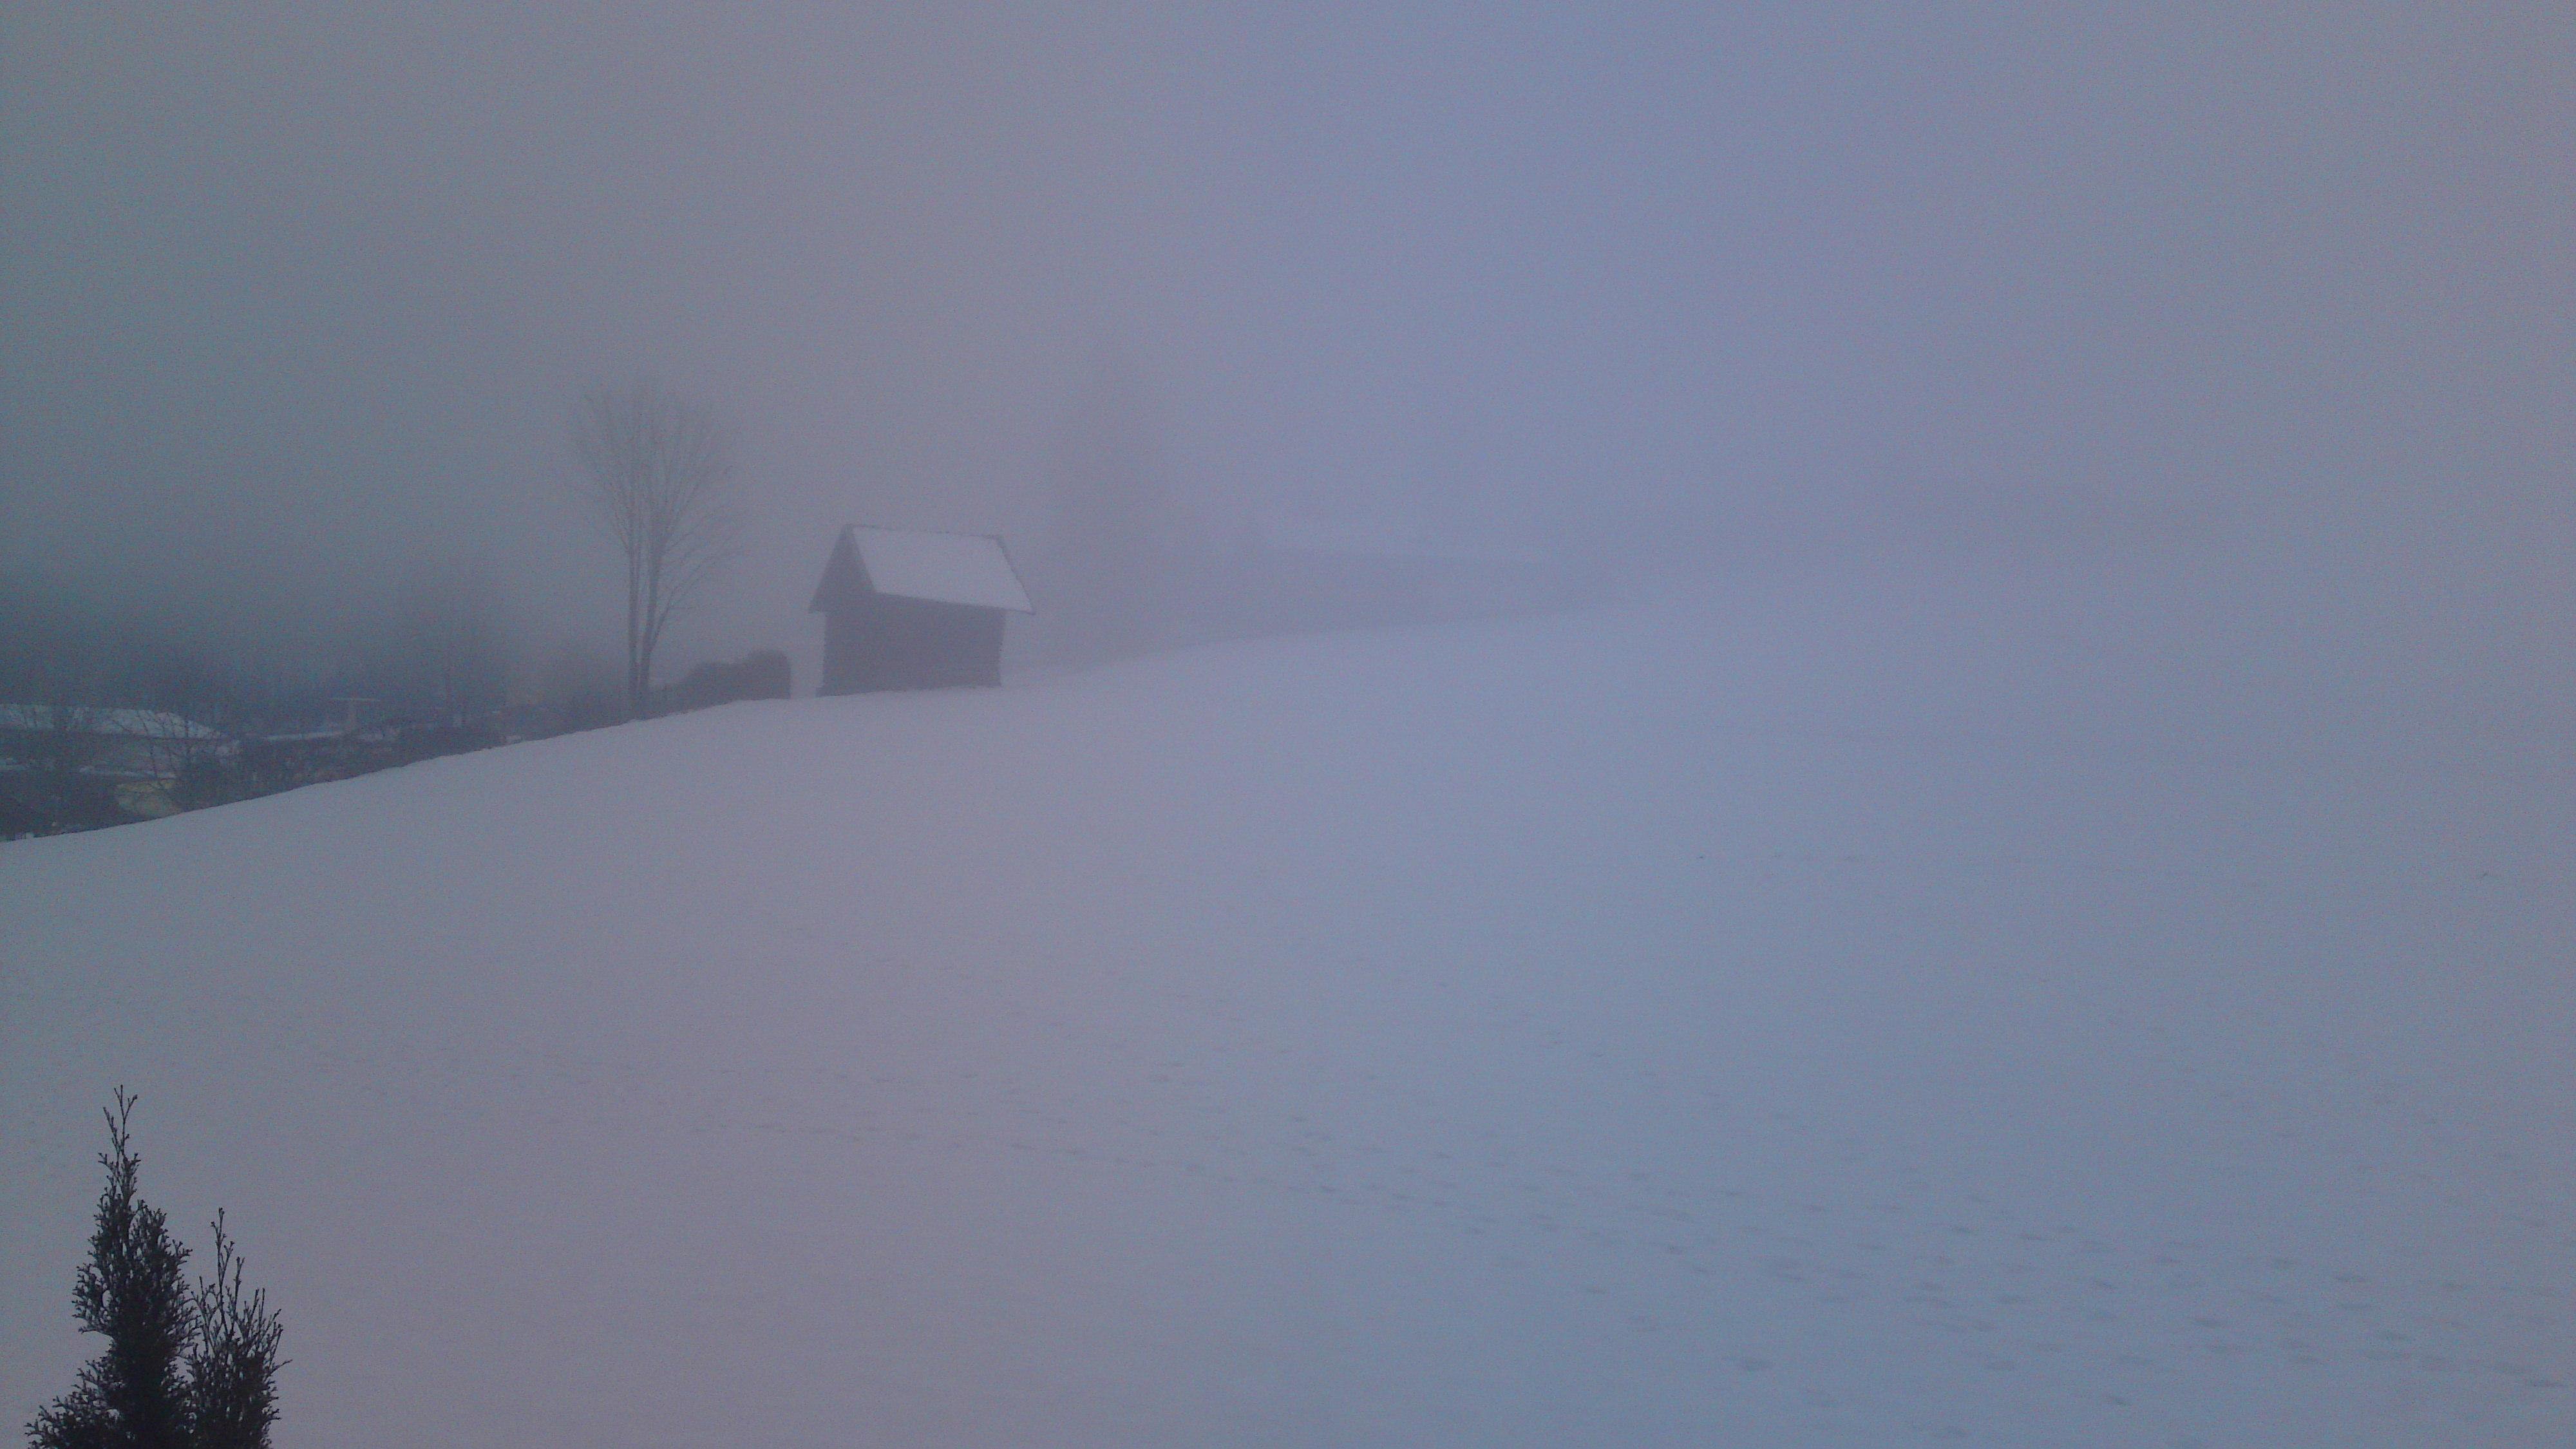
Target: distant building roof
{"points": [[942, 568]]}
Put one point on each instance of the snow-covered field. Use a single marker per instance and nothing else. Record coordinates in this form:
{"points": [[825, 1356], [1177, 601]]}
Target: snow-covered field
{"points": [[1822, 1011]]}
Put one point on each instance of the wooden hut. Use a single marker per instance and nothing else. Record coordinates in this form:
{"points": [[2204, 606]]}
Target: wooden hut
{"points": [[909, 610]]}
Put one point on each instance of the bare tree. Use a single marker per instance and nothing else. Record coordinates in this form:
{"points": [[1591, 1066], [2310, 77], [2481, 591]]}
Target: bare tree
{"points": [[658, 476], [54, 751], [1111, 542]]}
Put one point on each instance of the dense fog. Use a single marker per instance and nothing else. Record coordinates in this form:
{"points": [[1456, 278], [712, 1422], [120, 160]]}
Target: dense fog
{"points": [[1302, 725], [299, 300]]}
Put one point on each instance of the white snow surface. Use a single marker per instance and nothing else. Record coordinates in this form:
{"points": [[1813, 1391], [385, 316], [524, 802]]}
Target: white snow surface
{"points": [[1820, 1012], [944, 568]]}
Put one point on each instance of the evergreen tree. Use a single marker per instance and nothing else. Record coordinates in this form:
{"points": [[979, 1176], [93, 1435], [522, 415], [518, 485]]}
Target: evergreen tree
{"points": [[132, 1292], [232, 1365], [181, 1370]]}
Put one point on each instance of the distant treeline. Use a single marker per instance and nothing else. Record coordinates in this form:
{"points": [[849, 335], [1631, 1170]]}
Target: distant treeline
{"points": [[109, 715]]}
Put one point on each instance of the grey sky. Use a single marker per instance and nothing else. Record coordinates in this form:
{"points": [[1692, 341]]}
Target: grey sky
{"points": [[300, 296]]}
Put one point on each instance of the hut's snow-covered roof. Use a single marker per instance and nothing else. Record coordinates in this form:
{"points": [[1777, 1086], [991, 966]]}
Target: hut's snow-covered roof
{"points": [[942, 568]]}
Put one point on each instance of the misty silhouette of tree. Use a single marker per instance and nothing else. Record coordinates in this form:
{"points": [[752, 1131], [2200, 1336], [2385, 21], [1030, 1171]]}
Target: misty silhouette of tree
{"points": [[1112, 504], [657, 476]]}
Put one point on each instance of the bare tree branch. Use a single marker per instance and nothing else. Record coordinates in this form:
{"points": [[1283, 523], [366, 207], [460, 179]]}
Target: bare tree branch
{"points": [[657, 475]]}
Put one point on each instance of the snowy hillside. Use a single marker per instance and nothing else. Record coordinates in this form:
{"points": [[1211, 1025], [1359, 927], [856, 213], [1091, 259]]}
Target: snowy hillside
{"points": [[1809, 1015]]}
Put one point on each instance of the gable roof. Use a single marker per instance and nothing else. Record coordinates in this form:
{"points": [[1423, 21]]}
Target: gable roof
{"points": [[941, 568]]}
